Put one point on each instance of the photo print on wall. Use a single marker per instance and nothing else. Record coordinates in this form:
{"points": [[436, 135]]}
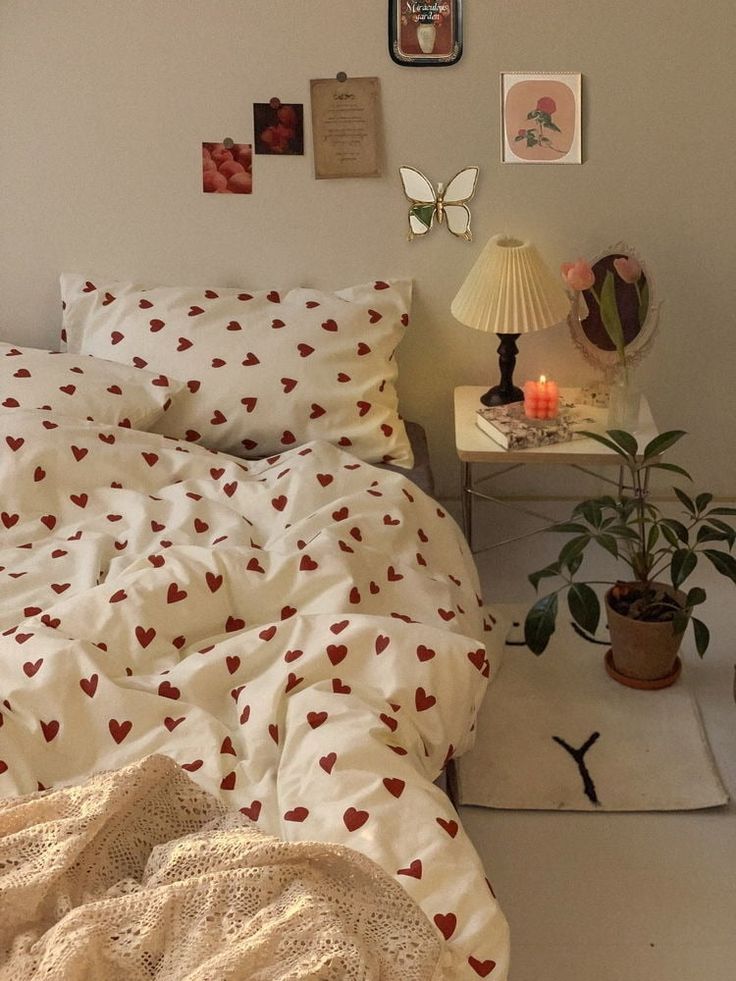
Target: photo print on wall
{"points": [[279, 128], [541, 117], [227, 168]]}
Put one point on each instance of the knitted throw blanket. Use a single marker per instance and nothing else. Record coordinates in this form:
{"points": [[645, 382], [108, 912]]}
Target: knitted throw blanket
{"points": [[139, 874]]}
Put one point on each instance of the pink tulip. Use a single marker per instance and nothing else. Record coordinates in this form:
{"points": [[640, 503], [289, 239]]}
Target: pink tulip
{"points": [[628, 269], [578, 275]]}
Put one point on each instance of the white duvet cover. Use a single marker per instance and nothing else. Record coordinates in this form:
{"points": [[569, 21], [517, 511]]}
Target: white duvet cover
{"points": [[302, 634]]}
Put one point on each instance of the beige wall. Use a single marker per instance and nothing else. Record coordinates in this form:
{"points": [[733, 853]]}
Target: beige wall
{"points": [[103, 104]]}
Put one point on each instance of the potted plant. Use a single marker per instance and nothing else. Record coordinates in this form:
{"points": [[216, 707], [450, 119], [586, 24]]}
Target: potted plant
{"points": [[651, 609]]}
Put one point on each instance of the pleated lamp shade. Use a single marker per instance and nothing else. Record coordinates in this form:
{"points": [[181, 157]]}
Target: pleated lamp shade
{"points": [[510, 290]]}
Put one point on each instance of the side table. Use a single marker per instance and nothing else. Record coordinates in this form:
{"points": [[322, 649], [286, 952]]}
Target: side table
{"points": [[475, 446]]}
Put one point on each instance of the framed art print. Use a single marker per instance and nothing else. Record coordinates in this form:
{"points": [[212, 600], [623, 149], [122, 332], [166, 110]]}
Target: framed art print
{"points": [[541, 117], [425, 32]]}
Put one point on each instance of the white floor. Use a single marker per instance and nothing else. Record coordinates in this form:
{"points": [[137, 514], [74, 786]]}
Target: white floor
{"points": [[617, 897]]}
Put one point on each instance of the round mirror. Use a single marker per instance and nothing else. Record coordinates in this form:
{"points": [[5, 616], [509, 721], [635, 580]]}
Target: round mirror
{"points": [[623, 285]]}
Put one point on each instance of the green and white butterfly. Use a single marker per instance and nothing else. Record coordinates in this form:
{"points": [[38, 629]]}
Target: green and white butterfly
{"points": [[428, 204]]}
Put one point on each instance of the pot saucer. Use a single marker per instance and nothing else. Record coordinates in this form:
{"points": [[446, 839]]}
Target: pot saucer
{"points": [[645, 685]]}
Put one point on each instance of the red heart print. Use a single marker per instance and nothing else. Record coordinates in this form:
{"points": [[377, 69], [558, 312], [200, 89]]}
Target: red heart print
{"points": [[380, 285], [218, 418], [292, 656], [342, 377], [227, 746], [195, 311], [450, 826], [414, 869], [287, 438], [327, 762], [341, 514], [249, 402], [12, 519], [167, 690], [109, 298], [423, 701], [280, 502], [425, 653], [329, 325], [79, 499], [14, 442], [297, 814], [277, 324], [156, 325], [233, 325], [292, 681], [171, 723], [200, 526], [317, 411], [389, 721], [253, 564], [211, 295], [481, 968], [288, 384], [477, 658], [179, 642], [245, 714], [405, 319], [193, 766], [339, 688], [11, 403], [307, 564], [392, 575], [144, 635], [382, 643], [145, 304], [51, 623], [213, 581], [50, 729], [354, 819], [184, 344], [305, 350], [394, 786], [60, 587], [22, 373], [88, 287], [79, 452], [245, 296], [316, 719], [337, 653], [273, 297], [363, 407], [250, 360], [445, 923], [30, 668], [174, 594], [374, 316], [68, 389], [119, 730], [233, 662], [156, 561], [363, 349], [228, 781], [252, 811], [268, 633], [337, 628]]}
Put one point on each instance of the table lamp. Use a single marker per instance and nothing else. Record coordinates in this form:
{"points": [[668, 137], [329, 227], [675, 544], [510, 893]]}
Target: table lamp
{"points": [[509, 291]]}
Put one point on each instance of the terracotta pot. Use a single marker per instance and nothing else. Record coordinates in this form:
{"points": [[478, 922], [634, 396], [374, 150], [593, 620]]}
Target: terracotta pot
{"points": [[644, 654]]}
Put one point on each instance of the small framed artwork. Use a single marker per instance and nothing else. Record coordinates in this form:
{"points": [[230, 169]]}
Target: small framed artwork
{"points": [[425, 32], [541, 117], [279, 128]]}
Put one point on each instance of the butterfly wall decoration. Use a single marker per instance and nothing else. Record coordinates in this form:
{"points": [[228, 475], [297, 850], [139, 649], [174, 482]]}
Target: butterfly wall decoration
{"points": [[445, 203]]}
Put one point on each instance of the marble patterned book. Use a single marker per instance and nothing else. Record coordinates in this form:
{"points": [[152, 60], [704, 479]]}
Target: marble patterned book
{"points": [[509, 427]]}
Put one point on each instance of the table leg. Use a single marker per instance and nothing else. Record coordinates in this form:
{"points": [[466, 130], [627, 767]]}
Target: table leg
{"points": [[466, 500]]}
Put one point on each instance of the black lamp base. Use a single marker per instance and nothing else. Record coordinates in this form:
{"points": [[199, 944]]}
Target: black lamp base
{"points": [[506, 392]]}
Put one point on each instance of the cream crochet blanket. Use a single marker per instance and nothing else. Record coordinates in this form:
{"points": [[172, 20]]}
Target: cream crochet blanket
{"points": [[140, 874]]}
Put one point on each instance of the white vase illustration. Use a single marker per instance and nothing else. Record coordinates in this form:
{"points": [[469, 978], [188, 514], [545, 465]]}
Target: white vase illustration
{"points": [[426, 36]]}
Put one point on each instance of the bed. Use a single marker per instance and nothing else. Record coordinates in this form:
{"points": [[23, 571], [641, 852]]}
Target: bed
{"points": [[211, 550]]}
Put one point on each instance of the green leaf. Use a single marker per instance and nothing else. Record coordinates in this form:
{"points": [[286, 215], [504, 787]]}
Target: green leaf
{"points": [[626, 441], [695, 596], [680, 621], [571, 527], [609, 543], [605, 442], [540, 623], [706, 534], [584, 606], [678, 528], [652, 537], [702, 636], [685, 500], [550, 570], [662, 442], [672, 467], [683, 564], [610, 315], [721, 510], [723, 562], [702, 501], [573, 549], [551, 125], [727, 530], [670, 535]]}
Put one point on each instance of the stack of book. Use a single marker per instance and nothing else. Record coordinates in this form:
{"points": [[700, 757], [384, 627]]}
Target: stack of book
{"points": [[509, 427]]}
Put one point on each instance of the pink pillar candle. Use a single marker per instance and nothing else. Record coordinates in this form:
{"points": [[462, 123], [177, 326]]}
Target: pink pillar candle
{"points": [[541, 399]]}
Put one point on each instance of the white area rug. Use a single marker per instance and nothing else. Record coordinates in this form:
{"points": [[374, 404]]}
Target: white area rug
{"points": [[556, 733]]}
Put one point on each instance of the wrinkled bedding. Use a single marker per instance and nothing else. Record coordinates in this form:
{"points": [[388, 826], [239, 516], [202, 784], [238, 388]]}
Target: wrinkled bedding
{"points": [[302, 634]]}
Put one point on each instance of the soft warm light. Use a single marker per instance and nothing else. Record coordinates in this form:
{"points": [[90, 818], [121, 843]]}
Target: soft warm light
{"points": [[542, 379], [510, 290]]}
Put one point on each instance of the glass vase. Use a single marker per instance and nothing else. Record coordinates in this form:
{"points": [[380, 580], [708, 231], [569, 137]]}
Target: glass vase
{"points": [[624, 402]]}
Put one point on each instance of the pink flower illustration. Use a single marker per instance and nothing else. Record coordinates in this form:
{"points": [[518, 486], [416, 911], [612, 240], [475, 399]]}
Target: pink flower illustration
{"points": [[628, 269], [578, 275]]}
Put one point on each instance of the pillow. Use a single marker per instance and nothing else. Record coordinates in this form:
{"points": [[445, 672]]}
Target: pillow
{"points": [[83, 387], [264, 371]]}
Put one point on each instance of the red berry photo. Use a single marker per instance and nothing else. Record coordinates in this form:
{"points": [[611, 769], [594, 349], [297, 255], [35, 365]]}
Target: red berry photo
{"points": [[278, 128], [227, 168]]}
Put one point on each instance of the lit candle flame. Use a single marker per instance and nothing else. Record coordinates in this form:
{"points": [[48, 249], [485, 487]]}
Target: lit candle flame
{"points": [[542, 379]]}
